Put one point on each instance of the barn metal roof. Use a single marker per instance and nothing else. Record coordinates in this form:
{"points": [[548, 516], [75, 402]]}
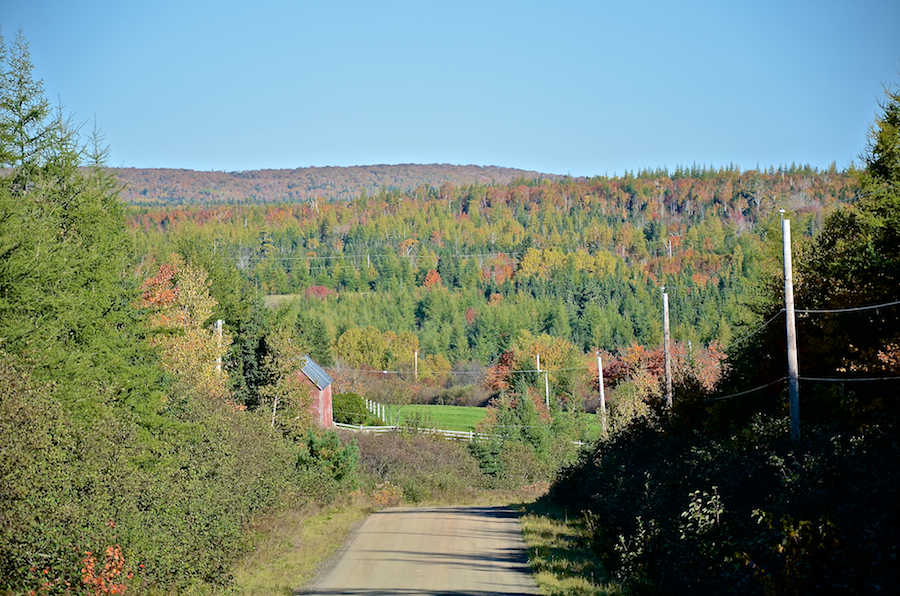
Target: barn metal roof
{"points": [[316, 373]]}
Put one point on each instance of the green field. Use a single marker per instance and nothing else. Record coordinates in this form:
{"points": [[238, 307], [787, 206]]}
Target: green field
{"points": [[444, 417], [466, 418]]}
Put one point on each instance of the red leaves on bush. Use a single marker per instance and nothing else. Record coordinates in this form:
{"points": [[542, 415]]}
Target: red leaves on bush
{"points": [[108, 579], [320, 292], [498, 376]]}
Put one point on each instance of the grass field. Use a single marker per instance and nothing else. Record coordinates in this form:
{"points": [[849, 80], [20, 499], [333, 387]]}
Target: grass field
{"points": [[461, 418], [443, 417], [466, 419]]}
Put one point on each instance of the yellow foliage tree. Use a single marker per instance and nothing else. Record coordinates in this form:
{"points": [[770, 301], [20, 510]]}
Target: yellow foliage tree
{"points": [[180, 305], [434, 368], [287, 393], [559, 357]]}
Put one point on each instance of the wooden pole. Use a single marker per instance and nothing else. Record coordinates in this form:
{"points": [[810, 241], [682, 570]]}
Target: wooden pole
{"points": [[602, 394], [219, 323], [666, 348], [791, 328], [547, 389]]}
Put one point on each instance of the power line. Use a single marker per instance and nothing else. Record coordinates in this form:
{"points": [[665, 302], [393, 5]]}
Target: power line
{"points": [[758, 329], [813, 311], [847, 379], [722, 397], [802, 378], [490, 255]]}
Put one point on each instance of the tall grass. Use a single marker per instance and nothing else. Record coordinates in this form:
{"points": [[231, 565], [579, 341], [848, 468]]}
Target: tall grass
{"points": [[293, 544], [560, 555]]}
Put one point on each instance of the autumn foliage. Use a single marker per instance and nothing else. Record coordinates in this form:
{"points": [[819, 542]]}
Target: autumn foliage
{"points": [[180, 307], [106, 576], [432, 280]]}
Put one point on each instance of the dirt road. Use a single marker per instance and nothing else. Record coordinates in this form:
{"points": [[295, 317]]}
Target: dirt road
{"points": [[443, 551]]}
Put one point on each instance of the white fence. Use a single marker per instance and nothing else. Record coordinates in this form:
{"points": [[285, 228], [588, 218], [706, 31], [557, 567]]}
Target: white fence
{"points": [[381, 411], [367, 429], [459, 435]]}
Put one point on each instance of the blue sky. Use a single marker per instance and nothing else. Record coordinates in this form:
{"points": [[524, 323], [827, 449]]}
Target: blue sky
{"points": [[580, 88]]}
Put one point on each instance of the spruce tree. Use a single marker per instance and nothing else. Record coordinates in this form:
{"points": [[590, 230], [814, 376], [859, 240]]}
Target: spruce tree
{"points": [[65, 297]]}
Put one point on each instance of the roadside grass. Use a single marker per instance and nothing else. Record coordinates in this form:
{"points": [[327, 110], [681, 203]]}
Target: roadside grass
{"points": [[291, 547], [561, 559], [464, 418]]}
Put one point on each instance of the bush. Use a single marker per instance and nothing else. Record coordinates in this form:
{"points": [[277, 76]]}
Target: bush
{"points": [[458, 395], [172, 505], [508, 465], [675, 510], [425, 468], [328, 466], [350, 408]]}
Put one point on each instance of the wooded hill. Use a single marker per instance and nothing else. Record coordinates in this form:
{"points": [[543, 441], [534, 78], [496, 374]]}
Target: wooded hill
{"points": [[188, 187], [467, 269]]}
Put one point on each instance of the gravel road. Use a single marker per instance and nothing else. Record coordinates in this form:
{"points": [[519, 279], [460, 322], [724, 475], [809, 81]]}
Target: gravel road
{"points": [[440, 551]]}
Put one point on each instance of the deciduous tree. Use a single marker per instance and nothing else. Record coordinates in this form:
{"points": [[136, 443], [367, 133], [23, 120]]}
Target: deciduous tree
{"points": [[180, 306]]}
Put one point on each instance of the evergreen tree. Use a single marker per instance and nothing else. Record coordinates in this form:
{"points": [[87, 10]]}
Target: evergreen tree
{"points": [[65, 299], [24, 112], [855, 261]]}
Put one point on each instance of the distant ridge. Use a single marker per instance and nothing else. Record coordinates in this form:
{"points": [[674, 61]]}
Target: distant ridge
{"points": [[156, 186]]}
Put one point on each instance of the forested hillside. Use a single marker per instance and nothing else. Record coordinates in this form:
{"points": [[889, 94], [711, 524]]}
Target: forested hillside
{"points": [[187, 187], [467, 269]]}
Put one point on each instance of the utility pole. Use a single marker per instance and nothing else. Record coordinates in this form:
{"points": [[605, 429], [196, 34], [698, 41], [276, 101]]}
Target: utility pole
{"points": [[547, 389], [791, 326], [546, 381], [666, 348], [417, 365], [602, 395], [219, 323]]}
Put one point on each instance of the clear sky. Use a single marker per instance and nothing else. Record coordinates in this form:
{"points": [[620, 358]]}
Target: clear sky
{"points": [[563, 87]]}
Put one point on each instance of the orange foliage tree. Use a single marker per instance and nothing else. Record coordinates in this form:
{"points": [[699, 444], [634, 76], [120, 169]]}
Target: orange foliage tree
{"points": [[178, 300], [432, 280]]}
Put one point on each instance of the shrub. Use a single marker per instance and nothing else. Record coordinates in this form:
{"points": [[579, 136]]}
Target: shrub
{"points": [[328, 464], [350, 408], [425, 468], [676, 511], [458, 395]]}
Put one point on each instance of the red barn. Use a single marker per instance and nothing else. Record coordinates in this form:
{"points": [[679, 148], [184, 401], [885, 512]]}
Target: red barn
{"points": [[320, 391]]}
